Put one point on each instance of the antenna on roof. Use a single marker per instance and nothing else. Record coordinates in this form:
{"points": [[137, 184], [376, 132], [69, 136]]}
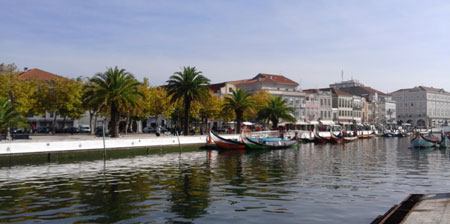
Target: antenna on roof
{"points": [[342, 75]]}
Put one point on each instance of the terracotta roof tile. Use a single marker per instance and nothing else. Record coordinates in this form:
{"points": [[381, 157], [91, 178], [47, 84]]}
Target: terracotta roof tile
{"points": [[40, 75], [262, 77]]}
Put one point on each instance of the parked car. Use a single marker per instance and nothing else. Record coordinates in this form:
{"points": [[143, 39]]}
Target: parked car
{"points": [[84, 129], [71, 130], [99, 132], [43, 130], [149, 130]]}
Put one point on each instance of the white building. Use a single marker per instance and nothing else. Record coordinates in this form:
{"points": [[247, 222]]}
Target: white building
{"points": [[277, 85], [423, 106]]}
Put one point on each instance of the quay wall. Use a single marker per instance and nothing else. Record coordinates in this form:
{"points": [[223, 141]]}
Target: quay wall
{"points": [[11, 148]]}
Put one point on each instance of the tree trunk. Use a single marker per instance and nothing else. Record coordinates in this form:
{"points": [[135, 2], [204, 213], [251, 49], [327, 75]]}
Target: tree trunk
{"points": [[239, 120], [8, 134], [114, 121], [139, 126], [274, 124], [64, 122], [91, 120], [54, 122], [187, 107], [127, 125]]}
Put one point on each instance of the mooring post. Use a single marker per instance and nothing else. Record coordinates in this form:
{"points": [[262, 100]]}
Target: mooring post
{"points": [[104, 145], [179, 144]]}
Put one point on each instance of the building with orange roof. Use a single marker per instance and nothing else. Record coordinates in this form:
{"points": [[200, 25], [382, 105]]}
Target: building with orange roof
{"points": [[43, 123], [277, 85], [38, 75], [423, 106], [378, 107]]}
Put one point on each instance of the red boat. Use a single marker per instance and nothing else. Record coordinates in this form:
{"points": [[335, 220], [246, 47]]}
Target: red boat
{"points": [[224, 143], [336, 139], [320, 139]]}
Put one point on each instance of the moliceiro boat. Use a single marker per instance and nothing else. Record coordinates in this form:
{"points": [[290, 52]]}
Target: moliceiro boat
{"points": [[224, 143], [420, 140], [272, 144]]}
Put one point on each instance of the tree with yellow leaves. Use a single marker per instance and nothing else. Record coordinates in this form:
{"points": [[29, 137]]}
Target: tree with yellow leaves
{"points": [[62, 97], [260, 99]]}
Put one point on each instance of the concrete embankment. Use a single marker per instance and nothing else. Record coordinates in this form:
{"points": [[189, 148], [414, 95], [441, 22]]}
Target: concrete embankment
{"points": [[50, 145]]}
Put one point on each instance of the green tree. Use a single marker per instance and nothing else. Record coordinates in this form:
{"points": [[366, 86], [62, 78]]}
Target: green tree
{"points": [[210, 109], [260, 98], [275, 110], [9, 117], [239, 101], [62, 97], [187, 86], [92, 104], [20, 92], [159, 102], [115, 88]]}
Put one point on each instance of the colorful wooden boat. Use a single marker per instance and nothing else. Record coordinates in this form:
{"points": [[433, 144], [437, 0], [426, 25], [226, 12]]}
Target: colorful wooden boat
{"points": [[224, 143], [336, 139], [276, 144], [350, 138], [421, 141], [320, 139]]}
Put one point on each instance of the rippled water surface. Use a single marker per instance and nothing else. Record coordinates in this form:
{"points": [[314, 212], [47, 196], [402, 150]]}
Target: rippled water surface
{"points": [[350, 183]]}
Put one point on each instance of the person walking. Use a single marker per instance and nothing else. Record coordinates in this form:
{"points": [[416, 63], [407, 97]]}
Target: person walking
{"points": [[158, 131]]}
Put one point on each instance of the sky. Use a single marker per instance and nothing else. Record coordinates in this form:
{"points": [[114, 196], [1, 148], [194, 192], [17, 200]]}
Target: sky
{"points": [[387, 45]]}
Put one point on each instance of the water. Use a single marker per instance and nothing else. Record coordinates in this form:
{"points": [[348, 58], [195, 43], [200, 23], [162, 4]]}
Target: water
{"points": [[350, 183]]}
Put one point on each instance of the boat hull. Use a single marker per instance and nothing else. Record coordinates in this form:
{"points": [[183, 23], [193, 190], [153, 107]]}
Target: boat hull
{"points": [[224, 143], [445, 142], [280, 144], [419, 141], [319, 139]]}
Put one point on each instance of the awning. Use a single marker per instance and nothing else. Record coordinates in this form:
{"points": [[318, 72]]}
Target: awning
{"points": [[313, 122], [301, 123], [326, 122], [247, 123]]}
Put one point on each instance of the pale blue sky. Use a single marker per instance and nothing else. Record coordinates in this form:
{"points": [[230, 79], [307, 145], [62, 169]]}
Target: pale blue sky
{"points": [[385, 44]]}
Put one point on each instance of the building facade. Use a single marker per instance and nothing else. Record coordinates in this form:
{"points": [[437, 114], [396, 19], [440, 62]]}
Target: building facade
{"points": [[380, 109], [277, 85], [422, 106]]}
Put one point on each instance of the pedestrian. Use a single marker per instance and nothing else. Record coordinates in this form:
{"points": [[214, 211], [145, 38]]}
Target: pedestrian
{"points": [[158, 131]]}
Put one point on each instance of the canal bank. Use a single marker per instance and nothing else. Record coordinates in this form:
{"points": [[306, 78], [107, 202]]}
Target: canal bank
{"points": [[45, 145]]}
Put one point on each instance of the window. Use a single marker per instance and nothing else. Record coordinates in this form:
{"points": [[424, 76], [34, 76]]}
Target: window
{"points": [[230, 89]]}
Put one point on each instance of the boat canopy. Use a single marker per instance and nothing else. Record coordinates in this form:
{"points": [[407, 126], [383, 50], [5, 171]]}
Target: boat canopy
{"points": [[326, 122]]}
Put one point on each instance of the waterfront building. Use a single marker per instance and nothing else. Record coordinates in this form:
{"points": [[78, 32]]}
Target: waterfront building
{"points": [[277, 85], [324, 105], [381, 108], [46, 120], [222, 89], [312, 106], [423, 106], [346, 107]]}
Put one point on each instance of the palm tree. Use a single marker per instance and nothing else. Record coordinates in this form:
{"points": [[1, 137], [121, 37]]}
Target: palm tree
{"points": [[275, 110], [239, 101], [187, 86], [114, 88], [9, 117]]}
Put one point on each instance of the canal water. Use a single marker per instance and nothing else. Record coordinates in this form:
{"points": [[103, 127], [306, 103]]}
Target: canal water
{"points": [[351, 183]]}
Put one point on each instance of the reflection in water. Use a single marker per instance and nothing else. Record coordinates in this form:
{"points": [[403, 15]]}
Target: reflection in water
{"points": [[351, 183]]}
